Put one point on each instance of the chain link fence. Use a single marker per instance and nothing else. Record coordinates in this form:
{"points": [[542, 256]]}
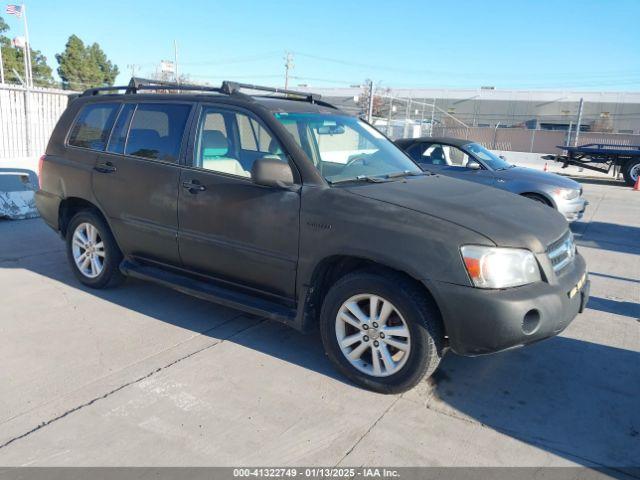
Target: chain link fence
{"points": [[506, 139]]}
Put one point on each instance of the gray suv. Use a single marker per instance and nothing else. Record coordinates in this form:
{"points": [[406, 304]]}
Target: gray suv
{"points": [[279, 204]]}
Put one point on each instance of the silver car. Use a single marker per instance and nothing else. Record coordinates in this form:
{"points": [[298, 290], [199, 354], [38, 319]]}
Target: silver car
{"points": [[468, 160]]}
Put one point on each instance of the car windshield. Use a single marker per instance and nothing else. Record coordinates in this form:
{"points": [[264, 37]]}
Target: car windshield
{"points": [[346, 149], [493, 161]]}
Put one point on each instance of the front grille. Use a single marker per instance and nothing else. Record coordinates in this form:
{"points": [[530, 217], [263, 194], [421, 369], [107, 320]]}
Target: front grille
{"points": [[562, 252]]}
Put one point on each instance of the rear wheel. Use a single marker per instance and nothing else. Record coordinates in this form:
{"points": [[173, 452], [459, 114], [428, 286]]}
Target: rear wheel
{"points": [[381, 331], [631, 171], [92, 251]]}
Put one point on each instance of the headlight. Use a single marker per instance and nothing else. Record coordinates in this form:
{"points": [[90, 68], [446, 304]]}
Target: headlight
{"points": [[492, 267], [567, 193]]}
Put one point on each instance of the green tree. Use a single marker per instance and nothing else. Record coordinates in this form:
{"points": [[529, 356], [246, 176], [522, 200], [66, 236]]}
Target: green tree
{"points": [[13, 59], [82, 67]]}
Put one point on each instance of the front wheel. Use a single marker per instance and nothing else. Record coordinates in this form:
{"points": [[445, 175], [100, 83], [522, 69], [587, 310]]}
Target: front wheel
{"points": [[631, 171], [381, 331], [537, 198]]}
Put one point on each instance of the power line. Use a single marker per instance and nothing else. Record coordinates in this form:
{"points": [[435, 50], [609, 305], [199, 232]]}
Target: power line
{"points": [[582, 74]]}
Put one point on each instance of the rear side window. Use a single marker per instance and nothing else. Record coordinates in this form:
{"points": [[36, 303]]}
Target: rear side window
{"points": [[156, 131], [93, 126]]}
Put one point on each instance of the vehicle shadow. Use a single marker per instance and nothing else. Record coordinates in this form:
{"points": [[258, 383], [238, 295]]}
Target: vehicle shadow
{"points": [[607, 236], [184, 311], [573, 398]]}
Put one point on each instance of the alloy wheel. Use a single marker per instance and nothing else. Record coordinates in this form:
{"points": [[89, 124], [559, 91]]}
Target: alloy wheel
{"points": [[372, 335], [88, 250]]}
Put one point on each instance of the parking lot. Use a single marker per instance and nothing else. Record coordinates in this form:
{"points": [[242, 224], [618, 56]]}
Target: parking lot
{"points": [[141, 375]]}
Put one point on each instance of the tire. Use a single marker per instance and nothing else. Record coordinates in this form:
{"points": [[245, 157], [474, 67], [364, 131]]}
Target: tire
{"points": [[631, 171], [536, 198], [108, 256], [411, 308]]}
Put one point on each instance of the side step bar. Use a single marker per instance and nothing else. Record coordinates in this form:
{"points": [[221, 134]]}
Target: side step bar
{"points": [[210, 291]]}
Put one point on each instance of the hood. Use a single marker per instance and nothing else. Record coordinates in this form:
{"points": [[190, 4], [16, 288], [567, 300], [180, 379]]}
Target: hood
{"points": [[504, 218], [530, 175]]}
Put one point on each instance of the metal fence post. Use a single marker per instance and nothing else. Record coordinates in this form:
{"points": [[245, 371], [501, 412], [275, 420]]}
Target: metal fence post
{"points": [[533, 139], [27, 121]]}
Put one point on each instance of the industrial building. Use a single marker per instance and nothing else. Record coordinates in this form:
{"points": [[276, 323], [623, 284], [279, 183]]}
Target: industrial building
{"points": [[607, 112]]}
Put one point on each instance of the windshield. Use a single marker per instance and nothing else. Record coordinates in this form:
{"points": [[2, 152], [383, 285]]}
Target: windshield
{"points": [[493, 161], [345, 148]]}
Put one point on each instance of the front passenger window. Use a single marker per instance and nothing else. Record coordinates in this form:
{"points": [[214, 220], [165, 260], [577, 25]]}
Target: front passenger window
{"points": [[434, 154], [458, 157], [229, 142]]}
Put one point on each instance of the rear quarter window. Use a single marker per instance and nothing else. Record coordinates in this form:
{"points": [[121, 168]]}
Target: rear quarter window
{"points": [[93, 126]]}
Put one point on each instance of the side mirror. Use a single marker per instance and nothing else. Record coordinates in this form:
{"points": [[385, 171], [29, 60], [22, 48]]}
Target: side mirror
{"points": [[271, 172], [474, 165], [502, 157]]}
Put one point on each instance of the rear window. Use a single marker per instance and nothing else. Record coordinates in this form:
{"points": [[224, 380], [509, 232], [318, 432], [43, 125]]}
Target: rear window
{"points": [[156, 131], [93, 126]]}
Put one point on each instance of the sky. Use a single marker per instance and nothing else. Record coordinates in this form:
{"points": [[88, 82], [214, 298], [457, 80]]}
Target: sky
{"points": [[509, 44]]}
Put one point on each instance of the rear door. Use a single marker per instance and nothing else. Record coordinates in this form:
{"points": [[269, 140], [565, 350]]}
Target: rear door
{"points": [[136, 179], [231, 228]]}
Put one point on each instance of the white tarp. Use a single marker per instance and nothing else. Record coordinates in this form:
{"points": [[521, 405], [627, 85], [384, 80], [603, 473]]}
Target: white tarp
{"points": [[17, 189]]}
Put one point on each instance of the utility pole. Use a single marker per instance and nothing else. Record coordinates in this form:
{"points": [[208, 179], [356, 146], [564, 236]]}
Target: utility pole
{"points": [[370, 107], [175, 61], [133, 67], [580, 106], [288, 65]]}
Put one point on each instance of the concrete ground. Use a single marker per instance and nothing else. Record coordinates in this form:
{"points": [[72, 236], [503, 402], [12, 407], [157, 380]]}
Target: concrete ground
{"points": [[141, 375]]}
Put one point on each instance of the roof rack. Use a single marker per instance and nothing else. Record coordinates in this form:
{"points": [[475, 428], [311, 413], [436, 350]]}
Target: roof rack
{"points": [[136, 84], [235, 87], [228, 88]]}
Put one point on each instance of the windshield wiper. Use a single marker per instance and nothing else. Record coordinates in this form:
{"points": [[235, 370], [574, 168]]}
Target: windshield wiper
{"points": [[406, 173], [359, 178]]}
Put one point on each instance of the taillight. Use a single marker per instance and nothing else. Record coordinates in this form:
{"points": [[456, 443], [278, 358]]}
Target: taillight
{"points": [[40, 162]]}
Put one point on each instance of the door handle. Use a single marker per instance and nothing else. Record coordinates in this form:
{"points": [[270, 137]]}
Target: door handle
{"points": [[106, 167], [194, 186]]}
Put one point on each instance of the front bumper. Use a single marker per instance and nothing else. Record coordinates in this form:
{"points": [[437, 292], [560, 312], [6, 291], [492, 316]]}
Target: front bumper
{"points": [[572, 209], [480, 321]]}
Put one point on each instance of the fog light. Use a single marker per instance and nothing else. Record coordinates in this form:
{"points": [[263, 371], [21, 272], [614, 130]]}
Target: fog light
{"points": [[531, 321]]}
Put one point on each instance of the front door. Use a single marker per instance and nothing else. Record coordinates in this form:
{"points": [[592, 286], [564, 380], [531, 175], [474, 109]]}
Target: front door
{"points": [[136, 180], [451, 161], [231, 228]]}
